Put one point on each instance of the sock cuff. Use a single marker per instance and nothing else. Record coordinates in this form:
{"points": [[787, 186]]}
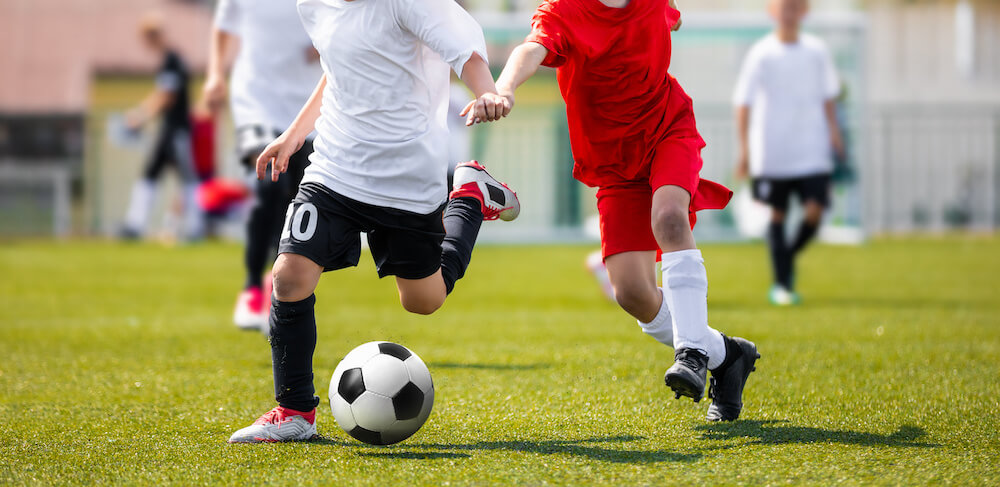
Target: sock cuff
{"points": [[673, 258], [662, 316], [283, 309]]}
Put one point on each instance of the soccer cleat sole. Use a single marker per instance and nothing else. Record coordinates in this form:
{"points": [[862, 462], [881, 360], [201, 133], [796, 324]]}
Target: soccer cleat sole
{"points": [[257, 440], [682, 387]]}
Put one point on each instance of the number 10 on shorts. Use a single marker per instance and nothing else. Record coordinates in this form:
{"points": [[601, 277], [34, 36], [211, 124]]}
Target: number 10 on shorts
{"points": [[294, 222]]}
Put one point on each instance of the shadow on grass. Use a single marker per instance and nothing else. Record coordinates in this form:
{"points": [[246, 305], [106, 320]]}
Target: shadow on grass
{"points": [[414, 455], [457, 365], [778, 432], [590, 448]]}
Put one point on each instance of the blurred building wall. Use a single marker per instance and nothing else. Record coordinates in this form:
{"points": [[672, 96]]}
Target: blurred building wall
{"points": [[52, 48]]}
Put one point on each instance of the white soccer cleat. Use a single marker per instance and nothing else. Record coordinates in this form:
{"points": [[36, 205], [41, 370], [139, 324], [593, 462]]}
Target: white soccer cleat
{"points": [[251, 310], [595, 264], [472, 180], [277, 426], [780, 296]]}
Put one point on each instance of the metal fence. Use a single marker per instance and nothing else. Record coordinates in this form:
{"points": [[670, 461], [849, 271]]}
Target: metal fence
{"points": [[932, 168]]}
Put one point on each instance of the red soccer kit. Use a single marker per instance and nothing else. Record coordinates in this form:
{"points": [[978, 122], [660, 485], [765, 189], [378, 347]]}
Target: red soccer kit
{"points": [[631, 126]]}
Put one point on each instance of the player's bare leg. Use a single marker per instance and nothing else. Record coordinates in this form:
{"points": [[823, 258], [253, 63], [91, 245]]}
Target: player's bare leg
{"points": [[633, 277], [422, 296]]}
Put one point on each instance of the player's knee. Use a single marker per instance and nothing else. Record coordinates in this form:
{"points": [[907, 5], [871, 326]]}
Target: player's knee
{"points": [[291, 284], [814, 213], [636, 300], [421, 305], [671, 223]]}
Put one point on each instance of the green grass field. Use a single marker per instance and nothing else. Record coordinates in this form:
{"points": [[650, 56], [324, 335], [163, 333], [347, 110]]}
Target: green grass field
{"points": [[119, 365]]}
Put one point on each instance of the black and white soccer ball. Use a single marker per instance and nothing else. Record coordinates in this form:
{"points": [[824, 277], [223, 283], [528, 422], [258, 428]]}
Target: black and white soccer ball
{"points": [[381, 393]]}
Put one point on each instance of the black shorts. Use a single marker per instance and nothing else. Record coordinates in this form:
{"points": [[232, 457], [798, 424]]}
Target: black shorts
{"points": [[776, 193], [325, 227]]}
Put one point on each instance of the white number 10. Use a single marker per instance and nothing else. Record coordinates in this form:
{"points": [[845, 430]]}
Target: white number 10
{"points": [[293, 222]]}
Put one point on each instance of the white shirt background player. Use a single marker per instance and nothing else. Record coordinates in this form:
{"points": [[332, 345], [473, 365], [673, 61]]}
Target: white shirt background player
{"points": [[786, 86], [275, 69], [383, 132]]}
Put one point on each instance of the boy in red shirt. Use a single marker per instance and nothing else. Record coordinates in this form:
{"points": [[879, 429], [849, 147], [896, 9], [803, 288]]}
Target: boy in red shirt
{"points": [[634, 137]]}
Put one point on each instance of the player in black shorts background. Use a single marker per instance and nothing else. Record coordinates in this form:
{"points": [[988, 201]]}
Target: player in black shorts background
{"points": [[169, 101], [272, 77], [787, 125]]}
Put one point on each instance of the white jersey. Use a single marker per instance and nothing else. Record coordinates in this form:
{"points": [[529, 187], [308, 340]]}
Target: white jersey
{"points": [[382, 137], [274, 74], [785, 86]]}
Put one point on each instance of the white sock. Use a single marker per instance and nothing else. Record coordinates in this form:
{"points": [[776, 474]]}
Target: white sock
{"points": [[685, 287], [662, 327], [143, 196]]}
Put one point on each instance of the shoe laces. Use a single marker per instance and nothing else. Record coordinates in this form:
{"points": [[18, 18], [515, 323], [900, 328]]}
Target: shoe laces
{"points": [[273, 416], [692, 359]]}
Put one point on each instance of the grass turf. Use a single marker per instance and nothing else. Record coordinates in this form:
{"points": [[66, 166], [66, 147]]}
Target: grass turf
{"points": [[119, 365]]}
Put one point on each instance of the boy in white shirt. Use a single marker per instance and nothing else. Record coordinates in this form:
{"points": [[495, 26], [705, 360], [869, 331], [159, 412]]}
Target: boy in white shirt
{"points": [[786, 119], [274, 74], [380, 167]]}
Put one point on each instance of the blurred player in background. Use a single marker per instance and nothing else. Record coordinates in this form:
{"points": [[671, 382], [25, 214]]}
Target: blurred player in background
{"points": [[380, 167], [633, 135], [275, 71], [168, 101], [786, 117]]}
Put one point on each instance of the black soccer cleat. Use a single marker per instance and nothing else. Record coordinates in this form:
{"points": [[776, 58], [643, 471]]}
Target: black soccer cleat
{"points": [[726, 390], [687, 376]]}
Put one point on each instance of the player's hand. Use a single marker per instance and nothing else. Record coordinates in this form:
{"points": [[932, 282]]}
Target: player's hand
{"points": [[134, 119], [677, 26], [277, 154], [837, 142], [742, 166], [487, 108], [213, 94]]}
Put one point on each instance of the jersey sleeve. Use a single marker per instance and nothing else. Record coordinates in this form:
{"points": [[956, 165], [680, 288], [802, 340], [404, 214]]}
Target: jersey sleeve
{"points": [[227, 16], [551, 31], [748, 81], [831, 80], [445, 27], [170, 77]]}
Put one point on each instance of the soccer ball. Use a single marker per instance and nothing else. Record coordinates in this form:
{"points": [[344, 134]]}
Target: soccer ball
{"points": [[381, 393]]}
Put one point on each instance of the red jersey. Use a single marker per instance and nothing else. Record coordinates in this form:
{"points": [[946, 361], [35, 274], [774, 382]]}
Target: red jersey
{"points": [[612, 71]]}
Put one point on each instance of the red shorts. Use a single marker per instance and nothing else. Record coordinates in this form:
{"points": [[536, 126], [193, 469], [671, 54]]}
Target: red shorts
{"points": [[625, 207]]}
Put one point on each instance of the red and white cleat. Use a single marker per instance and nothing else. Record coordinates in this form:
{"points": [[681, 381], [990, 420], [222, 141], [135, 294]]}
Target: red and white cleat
{"points": [[472, 180], [251, 310], [595, 264], [279, 425]]}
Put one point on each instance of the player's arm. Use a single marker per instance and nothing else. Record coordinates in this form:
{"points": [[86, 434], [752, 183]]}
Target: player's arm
{"points": [[214, 92], [522, 64], [151, 106], [677, 26], [836, 138], [743, 135], [288, 143], [488, 105]]}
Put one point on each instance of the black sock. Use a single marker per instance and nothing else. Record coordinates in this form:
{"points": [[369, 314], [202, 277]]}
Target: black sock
{"points": [[781, 256], [806, 233], [462, 219], [293, 340], [264, 228]]}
